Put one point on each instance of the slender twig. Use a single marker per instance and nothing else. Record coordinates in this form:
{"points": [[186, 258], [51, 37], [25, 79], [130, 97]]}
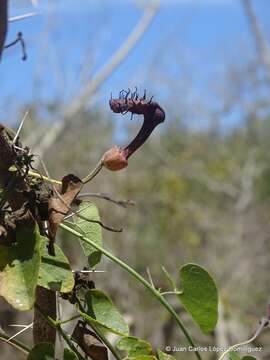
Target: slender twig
{"points": [[93, 173], [122, 203], [70, 319], [150, 277], [15, 343], [21, 41], [106, 227], [20, 127], [60, 197], [263, 323], [259, 39], [85, 180], [21, 331], [21, 17], [142, 280], [171, 293], [169, 278]]}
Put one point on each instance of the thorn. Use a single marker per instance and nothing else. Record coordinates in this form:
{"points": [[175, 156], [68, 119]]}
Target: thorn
{"points": [[126, 96], [144, 95], [149, 102], [20, 127]]}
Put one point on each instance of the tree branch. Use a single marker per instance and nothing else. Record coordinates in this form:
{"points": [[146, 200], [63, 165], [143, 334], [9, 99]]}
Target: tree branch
{"points": [[260, 41], [3, 23]]}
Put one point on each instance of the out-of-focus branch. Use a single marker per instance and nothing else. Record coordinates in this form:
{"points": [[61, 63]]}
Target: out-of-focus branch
{"points": [[91, 87], [21, 17], [260, 41], [3, 23]]}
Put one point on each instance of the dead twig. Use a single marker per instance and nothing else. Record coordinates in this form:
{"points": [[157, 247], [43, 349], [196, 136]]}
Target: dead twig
{"points": [[122, 203]]}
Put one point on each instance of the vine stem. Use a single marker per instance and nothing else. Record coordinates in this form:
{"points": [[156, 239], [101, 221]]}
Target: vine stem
{"points": [[142, 280], [264, 322], [85, 180], [39, 176], [93, 173]]}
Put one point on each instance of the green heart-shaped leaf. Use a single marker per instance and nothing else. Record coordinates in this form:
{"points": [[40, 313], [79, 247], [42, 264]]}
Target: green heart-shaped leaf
{"points": [[19, 267], [199, 296], [90, 230], [55, 273], [102, 311], [134, 346]]}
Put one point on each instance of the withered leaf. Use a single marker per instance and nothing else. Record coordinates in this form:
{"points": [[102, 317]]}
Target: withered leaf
{"points": [[59, 207], [89, 342]]}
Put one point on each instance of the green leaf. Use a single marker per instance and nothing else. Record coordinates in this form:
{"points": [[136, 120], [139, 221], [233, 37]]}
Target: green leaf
{"points": [[55, 273], [134, 346], [69, 355], [19, 267], [234, 356], [90, 230], [101, 311], [248, 357], [42, 351], [164, 356], [199, 296]]}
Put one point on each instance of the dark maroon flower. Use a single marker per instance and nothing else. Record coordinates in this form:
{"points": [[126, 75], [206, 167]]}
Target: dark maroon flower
{"points": [[152, 112]]}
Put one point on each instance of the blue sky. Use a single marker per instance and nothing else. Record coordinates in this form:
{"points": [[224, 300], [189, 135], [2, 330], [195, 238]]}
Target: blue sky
{"points": [[190, 42]]}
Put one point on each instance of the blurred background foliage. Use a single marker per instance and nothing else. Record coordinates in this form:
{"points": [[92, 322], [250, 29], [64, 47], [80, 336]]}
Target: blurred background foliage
{"points": [[202, 191]]}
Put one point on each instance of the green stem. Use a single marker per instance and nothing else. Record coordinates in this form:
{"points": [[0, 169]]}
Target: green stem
{"points": [[17, 344], [85, 180], [93, 173], [171, 293], [39, 176], [56, 325], [68, 320], [146, 284]]}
